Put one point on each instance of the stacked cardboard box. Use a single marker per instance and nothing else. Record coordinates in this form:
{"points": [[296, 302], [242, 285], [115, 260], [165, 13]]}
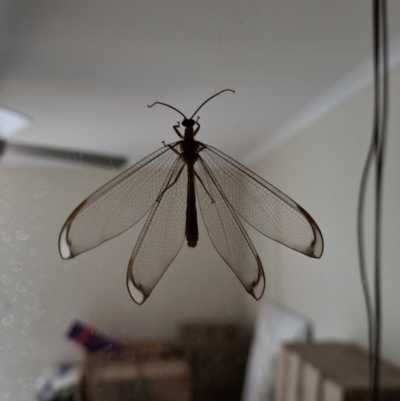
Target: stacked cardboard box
{"points": [[217, 363], [330, 371], [147, 372]]}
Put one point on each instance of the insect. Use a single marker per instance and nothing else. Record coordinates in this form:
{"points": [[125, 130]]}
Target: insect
{"points": [[167, 185]]}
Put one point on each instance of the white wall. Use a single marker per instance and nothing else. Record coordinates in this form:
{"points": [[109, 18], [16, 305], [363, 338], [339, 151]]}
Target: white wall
{"points": [[40, 294], [321, 170]]}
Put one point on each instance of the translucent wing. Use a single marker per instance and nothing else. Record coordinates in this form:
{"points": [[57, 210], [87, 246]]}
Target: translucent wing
{"points": [[263, 206], [160, 240], [118, 205], [227, 232]]}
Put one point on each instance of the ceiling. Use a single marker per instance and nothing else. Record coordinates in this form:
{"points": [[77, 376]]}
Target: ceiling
{"points": [[85, 70]]}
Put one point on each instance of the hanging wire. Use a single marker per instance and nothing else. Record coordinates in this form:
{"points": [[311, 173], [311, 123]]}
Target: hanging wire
{"points": [[361, 256], [376, 152], [380, 154]]}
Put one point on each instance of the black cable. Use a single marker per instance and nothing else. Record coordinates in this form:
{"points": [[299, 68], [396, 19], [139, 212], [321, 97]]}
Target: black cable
{"points": [[375, 350], [380, 143], [376, 149], [361, 253], [361, 199]]}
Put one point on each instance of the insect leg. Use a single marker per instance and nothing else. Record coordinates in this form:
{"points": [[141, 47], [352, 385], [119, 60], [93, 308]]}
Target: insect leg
{"points": [[202, 183], [175, 127], [171, 147], [198, 127], [172, 183]]}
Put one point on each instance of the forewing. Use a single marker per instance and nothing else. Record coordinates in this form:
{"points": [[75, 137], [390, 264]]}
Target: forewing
{"points": [[118, 205], [228, 234], [263, 206], [160, 240]]}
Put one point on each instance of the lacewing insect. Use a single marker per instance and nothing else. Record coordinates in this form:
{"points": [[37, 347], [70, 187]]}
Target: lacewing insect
{"points": [[167, 185]]}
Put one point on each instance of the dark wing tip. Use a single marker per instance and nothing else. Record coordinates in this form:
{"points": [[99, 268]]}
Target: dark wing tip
{"points": [[135, 291], [63, 242], [316, 248], [318, 244], [257, 289]]}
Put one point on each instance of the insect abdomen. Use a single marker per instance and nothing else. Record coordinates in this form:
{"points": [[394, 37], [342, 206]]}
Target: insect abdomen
{"points": [[192, 231]]}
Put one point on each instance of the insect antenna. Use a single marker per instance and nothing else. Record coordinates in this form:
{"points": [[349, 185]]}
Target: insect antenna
{"points": [[225, 90], [164, 104]]}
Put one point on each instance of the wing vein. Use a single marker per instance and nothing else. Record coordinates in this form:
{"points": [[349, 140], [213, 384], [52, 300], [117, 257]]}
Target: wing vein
{"points": [[263, 206], [117, 205], [161, 237]]}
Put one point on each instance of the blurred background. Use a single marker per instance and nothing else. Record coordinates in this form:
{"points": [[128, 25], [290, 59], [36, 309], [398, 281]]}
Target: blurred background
{"points": [[83, 72]]}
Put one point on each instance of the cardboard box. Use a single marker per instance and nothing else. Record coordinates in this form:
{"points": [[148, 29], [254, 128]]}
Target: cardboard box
{"points": [[199, 335], [115, 377], [216, 367], [330, 371], [220, 394], [151, 349], [214, 353]]}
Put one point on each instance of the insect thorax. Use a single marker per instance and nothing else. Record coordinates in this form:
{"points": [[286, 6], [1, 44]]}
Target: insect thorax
{"points": [[189, 148]]}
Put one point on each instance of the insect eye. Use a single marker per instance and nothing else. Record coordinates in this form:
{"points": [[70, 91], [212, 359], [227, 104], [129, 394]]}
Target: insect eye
{"points": [[188, 123]]}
